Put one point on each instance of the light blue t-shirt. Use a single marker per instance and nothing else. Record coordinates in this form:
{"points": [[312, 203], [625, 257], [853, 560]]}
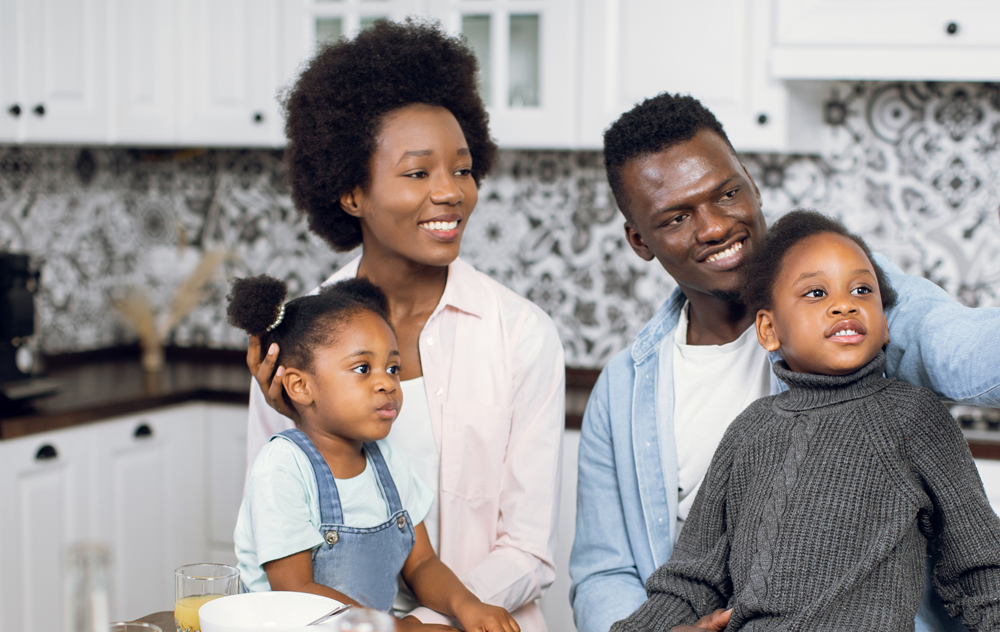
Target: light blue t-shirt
{"points": [[280, 511]]}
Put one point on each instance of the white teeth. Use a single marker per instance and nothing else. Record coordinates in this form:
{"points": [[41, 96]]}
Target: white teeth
{"points": [[846, 332], [728, 252], [444, 226]]}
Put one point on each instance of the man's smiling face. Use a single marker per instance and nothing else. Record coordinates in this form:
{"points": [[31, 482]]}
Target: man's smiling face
{"points": [[696, 210]]}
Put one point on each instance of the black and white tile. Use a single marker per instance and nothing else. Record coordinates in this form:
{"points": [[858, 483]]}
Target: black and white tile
{"points": [[912, 167]]}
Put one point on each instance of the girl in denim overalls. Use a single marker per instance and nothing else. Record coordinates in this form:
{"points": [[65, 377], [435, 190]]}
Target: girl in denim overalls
{"points": [[328, 504]]}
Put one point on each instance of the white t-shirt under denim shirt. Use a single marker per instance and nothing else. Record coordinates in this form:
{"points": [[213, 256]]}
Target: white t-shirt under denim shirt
{"points": [[280, 514], [712, 386]]}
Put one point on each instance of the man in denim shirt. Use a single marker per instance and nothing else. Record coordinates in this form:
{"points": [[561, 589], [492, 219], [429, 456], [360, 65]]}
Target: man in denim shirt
{"points": [[659, 408]]}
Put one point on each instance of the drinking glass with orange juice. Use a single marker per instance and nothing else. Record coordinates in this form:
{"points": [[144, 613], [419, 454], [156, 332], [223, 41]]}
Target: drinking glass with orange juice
{"points": [[197, 584]]}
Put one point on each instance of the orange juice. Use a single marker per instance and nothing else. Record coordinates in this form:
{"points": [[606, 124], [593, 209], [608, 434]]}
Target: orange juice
{"points": [[186, 612]]}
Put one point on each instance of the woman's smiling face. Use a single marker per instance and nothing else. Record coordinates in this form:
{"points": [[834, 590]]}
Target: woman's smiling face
{"points": [[826, 314], [421, 190]]}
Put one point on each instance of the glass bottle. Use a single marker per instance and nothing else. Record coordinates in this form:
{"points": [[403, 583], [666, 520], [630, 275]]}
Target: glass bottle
{"points": [[87, 588]]}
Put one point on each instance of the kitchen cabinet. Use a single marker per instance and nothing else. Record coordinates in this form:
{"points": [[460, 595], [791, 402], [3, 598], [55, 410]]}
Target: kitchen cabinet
{"points": [[144, 71], [229, 59], [989, 471], [527, 51], [44, 492], [944, 40], [159, 488], [148, 492], [54, 87], [715, 50]]}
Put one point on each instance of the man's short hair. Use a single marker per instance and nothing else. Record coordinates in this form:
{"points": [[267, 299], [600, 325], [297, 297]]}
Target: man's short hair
{"points": [[652, 126]]}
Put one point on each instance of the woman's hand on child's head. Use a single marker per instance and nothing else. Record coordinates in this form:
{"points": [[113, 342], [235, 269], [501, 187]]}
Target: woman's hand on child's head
{"points": [[716, 622], [477, 616], [262, 370]]}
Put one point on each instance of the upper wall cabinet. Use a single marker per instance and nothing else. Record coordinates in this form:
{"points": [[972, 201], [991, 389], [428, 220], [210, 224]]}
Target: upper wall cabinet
{"points": [[54, 83], [229, 56], [715, 50], [887, 39], [527, 51]]}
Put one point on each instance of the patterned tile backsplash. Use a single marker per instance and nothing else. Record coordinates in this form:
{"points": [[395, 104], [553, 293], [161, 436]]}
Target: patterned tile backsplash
{"points": [[912, 167]]}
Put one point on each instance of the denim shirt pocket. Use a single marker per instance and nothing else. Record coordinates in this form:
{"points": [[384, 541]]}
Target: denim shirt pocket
{"points": [[473, 446]]}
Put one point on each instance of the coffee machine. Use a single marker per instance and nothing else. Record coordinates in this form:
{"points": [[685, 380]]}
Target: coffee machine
{"points": [[18, 284]]}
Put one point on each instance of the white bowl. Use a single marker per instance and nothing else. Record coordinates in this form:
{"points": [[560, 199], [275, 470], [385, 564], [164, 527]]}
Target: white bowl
{"points": [[259, 611]]}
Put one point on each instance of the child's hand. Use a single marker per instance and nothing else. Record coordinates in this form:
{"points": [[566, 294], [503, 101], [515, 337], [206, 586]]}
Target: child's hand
{"points": [[477, 616], [715, 622], [413, 624]]}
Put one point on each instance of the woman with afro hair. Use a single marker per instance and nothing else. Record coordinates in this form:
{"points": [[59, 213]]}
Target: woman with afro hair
{"points": [[387, 144]]}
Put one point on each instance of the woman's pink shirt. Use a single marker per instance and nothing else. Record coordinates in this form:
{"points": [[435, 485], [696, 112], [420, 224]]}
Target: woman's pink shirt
{"points": [[495, 379]]}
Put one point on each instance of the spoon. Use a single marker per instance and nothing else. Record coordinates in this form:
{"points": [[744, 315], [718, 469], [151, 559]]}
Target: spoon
{"points": [[333, 612]]}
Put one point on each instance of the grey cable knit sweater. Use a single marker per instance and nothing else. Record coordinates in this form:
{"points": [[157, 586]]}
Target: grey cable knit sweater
{"points": [[816, 511]]}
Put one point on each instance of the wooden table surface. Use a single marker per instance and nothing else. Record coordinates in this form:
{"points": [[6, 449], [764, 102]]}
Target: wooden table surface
{"points": [[163, 619]]}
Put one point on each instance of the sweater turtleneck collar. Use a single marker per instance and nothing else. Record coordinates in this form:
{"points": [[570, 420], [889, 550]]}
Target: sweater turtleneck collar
{"points": [[808, 390]]}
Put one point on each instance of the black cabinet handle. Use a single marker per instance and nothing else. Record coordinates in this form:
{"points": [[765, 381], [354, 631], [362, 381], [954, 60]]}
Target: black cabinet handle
{"points": [[143, 432], [762, 119], [258, 117], [952, 28], [15, 110], [45, 453], [40, 110]]}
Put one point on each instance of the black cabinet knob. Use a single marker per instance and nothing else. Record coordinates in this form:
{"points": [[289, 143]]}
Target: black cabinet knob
{"points": [[40, 110], [15, 110], [143, 431], [762, 119], [952, 28], [258, 117], [45, 453]]}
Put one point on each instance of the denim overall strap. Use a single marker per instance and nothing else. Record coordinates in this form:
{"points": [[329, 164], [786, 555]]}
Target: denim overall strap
{"points": [[329, 499], [384, 478]]}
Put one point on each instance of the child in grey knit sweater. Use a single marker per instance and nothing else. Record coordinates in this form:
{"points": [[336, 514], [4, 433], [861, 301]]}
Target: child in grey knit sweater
{"points": [[820, 502]]}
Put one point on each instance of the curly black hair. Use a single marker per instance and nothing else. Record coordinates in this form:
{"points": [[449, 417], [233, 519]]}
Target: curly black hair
{"points": [[761, 271], [302, 324], [335, 111], [655, 125]]}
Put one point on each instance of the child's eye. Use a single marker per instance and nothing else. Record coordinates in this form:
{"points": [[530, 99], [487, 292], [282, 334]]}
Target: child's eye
{"points": [[417, 174], [393, 370], [464, 172], [861, 290], [361, 369], [817, 293]]}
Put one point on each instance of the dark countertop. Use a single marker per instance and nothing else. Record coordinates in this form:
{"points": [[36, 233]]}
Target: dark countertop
{"points": [[97, 385], [108, 383]]}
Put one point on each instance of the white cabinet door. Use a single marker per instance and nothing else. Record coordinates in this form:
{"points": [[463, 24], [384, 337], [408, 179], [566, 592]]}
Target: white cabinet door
{"points": [[887, 39], [44, 484], [989, 471], [229, 56], [715, 50], [149, 493], [226, 464], [11, 106], [527, 51], [64, 68], [143, 48]]}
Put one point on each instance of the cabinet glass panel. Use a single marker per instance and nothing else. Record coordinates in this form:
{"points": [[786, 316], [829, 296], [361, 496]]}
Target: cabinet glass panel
{"points": [[328, 30], [476, 29], [368, 22], [523, 79]]}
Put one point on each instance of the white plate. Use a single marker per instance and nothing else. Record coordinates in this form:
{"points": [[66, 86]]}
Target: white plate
{"points": [[259, 611]]}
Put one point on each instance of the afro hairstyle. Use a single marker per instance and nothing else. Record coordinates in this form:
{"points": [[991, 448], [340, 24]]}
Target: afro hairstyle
{"points": [[653, 126], [335, 111], [256, 305], [764, 266]]}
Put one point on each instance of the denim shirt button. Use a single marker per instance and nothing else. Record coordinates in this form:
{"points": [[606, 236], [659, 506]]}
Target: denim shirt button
{"points": [[331, 537], [401, 522]]}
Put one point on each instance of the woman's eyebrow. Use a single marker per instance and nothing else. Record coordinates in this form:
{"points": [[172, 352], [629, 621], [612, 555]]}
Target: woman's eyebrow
{"points": [[416, 153]]}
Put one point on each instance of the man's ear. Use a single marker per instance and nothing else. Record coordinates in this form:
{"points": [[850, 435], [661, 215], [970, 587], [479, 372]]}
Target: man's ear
{"points": [[635, 240], [298, 386], [766, 335], [351, 202]]}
